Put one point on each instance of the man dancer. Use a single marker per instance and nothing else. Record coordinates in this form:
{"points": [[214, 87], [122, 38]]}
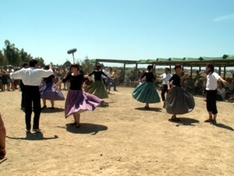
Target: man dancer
{"points": [[31, 78], [25, 65]]}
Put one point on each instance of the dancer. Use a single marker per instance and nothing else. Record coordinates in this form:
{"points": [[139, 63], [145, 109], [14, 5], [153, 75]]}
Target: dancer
{"points": [[31, 78], [48, 92], [165, 77], [2, 139], [97, 88], [178, 101], [25, 65], [77, 99], [146, 92], [211, 91]]}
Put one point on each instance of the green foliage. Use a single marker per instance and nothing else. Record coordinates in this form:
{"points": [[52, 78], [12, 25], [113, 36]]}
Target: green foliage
{"points": [[11, 55], [87, 65]]}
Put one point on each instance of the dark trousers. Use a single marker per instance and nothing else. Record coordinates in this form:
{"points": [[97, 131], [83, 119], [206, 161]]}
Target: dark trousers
{"points": [[22, 95], [23, 99], [211, 101], [164, 90], [32, 100]]}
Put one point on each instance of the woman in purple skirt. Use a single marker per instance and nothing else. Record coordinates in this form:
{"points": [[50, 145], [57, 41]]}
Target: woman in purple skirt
{"points": [[77, 99], [48, 92]]}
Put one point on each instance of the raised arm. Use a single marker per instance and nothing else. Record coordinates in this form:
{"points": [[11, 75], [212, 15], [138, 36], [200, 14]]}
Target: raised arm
{"points": [[222, 80]]}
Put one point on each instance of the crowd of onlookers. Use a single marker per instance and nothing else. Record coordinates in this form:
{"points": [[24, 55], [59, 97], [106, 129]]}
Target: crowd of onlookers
{"points": [[195, 85]]}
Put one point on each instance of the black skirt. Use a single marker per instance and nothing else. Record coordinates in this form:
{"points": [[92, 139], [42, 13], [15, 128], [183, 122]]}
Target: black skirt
{"points": [[179, 101]]}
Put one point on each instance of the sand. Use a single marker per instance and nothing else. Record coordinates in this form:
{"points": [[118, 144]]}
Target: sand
{"points": [[122, 139]]}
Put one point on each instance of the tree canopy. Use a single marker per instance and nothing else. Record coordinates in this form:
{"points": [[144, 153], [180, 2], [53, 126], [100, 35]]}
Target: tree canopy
{"points": [[11, 55]]}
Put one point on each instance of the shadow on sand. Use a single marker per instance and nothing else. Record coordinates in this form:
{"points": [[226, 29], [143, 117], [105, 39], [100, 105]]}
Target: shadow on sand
{"points": [[185, 121], [220, 125], [85, 128], [48, 110], [33, 136], [150, 109]]}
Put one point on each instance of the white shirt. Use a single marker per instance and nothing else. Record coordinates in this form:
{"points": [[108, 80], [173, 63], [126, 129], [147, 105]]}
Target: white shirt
{"points": [[211, 83], [165, 77], [106, 72], [31, 76]]}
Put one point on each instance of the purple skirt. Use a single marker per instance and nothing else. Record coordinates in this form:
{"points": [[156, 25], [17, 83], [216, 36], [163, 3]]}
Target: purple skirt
{"points": [[48, 92], [78, 101]]}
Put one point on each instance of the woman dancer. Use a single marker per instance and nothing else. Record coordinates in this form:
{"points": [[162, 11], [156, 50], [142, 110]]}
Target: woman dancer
{"points": [[48, 92], [211, 92], [146, 92], [97, 88], [77, 99], [178, 101]]}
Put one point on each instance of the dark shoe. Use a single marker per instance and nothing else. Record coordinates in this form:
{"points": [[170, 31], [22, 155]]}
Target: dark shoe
{"points": [[214, 122], [175, 119], [77, 125], [147, 107], [208, 120], [37, 130], [104, 104], [52, 108], [44, 107]]}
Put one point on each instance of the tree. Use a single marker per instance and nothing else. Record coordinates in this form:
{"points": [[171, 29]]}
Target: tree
{"points": [[11, 53], [24, 56], [40, 61], [87, 65], [2, 59]]}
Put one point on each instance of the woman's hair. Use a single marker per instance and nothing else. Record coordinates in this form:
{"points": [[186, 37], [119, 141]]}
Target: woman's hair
{"points": [[178, 66], [98, 67], [47, 67], [25, 64], [75, 66], [149, 67], [211, 66]]}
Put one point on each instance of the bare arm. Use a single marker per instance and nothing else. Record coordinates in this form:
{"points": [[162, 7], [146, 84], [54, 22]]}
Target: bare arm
{"points": [[222, 80], [168, 85], [87, 77], [2, 139]]}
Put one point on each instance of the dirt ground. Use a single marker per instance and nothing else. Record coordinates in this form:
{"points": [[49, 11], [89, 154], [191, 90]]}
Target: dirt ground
{"points": [[122, 139]]}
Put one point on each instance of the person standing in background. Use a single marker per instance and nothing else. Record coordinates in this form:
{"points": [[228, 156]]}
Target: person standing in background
{"points": [[114, 76], [165, 77], [31, 78]]}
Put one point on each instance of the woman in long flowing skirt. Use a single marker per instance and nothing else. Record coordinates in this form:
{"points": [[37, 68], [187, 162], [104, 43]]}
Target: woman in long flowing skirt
{"points": [[97, 88], [77, 99], [146, 92], [178, 100], [48, 92]]}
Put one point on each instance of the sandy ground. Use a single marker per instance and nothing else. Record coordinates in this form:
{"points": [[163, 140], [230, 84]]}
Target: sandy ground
{"points": [[122, 139]]}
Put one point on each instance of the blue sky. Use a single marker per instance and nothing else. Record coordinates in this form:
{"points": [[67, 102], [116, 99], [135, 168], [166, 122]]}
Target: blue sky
{"points": [[118, 29]]}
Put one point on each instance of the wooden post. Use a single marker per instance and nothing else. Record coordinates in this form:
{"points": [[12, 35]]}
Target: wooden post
{"points": [[224, 72]]}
